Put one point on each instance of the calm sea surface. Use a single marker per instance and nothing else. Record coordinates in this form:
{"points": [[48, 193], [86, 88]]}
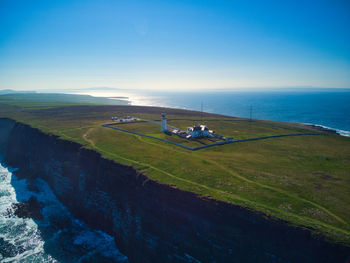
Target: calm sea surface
{"points": [[326, 108]]}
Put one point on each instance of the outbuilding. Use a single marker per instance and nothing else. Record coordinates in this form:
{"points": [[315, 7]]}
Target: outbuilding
{"points": [[198, 131]]}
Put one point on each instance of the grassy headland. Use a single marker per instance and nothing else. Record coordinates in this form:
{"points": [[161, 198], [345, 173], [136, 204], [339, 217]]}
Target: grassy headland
{"points": [[304, 180]]}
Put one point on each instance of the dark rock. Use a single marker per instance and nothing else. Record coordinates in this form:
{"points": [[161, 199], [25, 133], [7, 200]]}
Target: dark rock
{"points": [[29, 209], [322, 129]]}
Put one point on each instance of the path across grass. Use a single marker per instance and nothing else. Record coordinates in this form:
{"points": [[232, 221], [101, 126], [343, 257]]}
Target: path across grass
{"points": [[209, 145], [225, 193], [301, 179]]}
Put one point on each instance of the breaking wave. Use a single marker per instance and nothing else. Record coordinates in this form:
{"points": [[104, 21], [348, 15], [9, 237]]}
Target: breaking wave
{"points": [[56, 237], [338, 131]]}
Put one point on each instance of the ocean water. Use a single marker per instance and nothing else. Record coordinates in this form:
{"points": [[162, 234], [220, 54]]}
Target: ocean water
{"points": [[57, 237], [328, 108]]}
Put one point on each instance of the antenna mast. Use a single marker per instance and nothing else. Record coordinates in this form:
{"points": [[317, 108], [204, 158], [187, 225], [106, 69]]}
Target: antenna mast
{"points": [[201, 111], [251, 113]]}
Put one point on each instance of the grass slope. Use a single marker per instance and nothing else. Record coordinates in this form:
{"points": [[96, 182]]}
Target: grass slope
{"points": [[304, 180], [46, 100]]}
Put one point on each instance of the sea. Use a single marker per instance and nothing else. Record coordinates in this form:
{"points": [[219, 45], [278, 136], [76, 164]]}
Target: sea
{"points": [[329, 108], [56, 237]]}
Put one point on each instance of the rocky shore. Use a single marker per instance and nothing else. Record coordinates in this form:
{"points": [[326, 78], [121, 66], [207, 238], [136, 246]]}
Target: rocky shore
{"points": [[28, 209], [153, 222], [322, 129]]}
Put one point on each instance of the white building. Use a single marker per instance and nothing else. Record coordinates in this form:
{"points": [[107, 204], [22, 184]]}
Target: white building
{"points": [[198, 131], [164, 125]]}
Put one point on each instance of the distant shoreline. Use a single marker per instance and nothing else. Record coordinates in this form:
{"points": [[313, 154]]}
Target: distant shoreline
{"points": [[265, 107], [315, 126], [328, 129]]}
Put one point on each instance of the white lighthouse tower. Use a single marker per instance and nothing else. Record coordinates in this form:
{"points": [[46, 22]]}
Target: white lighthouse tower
{"points": [[164, 126]]}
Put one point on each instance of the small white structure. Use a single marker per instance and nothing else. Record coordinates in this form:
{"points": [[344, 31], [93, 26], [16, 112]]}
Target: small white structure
{"points": [[164, 125], [198, 131], [125, 119]]}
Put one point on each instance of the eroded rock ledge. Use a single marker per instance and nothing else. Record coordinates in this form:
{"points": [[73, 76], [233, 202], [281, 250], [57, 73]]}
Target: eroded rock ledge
{"points": [[153, 222]]}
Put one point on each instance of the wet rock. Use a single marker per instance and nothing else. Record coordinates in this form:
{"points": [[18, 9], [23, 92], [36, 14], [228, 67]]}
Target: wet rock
{"points": [[28, 209]]}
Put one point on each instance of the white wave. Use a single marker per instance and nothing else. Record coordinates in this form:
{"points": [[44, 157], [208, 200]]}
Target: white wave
{"points": [[21, 234], [25, 236], [343, 132], [338, 131]]}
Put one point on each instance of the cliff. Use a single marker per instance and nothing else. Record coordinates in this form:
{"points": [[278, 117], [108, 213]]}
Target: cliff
{"points": [[153, 222]]}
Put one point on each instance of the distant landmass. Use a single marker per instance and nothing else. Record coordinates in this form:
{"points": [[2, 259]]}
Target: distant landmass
{"points": [[57, 98], [11, 91]]}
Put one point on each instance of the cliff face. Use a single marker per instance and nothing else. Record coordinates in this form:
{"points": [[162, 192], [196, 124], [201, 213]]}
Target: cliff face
{"points": [[152, 222]]}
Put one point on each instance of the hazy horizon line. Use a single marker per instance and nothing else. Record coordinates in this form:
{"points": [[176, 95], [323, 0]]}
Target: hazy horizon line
{"points": [[258, 88]]}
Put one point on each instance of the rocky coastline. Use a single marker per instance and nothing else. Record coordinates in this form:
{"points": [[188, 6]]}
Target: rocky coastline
{"points": [[153, 222]]}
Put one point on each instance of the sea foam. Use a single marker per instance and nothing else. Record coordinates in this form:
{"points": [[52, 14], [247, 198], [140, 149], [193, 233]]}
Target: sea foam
{"points": [[58, 237]]}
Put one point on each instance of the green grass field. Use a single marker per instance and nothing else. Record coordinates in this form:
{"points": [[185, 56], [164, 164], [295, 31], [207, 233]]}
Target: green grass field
{"points": [[304, 180], [153, 129]]}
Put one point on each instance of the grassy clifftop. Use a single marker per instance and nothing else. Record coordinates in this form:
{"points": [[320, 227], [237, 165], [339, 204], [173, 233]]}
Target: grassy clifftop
{"points": [[304, 180], [44, 100]]}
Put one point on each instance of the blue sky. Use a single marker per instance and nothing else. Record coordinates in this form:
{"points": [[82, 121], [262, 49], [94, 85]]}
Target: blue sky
{"points": [[174, 45]]}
